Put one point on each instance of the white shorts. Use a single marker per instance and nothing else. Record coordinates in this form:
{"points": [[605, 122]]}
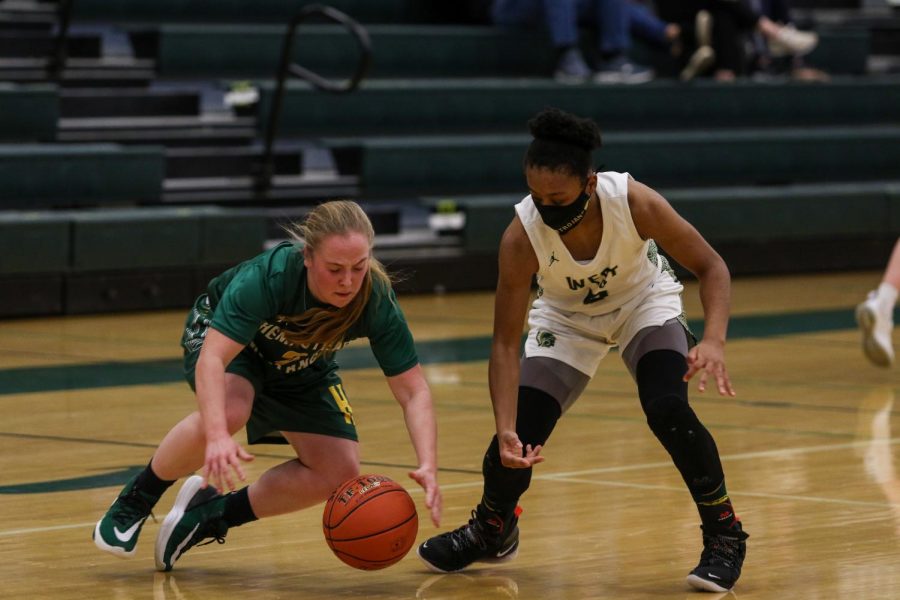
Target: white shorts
{"points": [[582, 341]]}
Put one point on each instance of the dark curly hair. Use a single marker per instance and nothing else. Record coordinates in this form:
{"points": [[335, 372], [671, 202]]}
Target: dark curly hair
{"points": [[562, 142]]}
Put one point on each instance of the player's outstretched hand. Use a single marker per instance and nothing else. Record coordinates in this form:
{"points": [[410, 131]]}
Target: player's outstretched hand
{"points": [[512, 454], [224, 455], [708, 358], [427, 478]]}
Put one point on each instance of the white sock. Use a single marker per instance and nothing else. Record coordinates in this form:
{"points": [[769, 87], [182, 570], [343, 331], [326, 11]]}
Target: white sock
{"points": [[886, 295]]}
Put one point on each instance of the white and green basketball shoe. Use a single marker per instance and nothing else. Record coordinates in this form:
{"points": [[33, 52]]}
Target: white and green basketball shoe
{"points": [[117, 532], [195, 516]]}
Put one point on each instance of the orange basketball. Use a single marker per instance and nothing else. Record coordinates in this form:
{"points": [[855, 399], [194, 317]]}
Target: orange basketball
{"points": [[370, 522]]}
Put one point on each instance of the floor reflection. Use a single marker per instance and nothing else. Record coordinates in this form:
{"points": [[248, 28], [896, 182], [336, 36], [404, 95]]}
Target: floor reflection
{"points": [[878, 456], [460, 585], [166, 588]]}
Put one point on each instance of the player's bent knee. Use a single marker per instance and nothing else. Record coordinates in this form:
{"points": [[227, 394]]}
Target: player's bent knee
{"points": [[236, 417], [335, 475], [671, 418]]}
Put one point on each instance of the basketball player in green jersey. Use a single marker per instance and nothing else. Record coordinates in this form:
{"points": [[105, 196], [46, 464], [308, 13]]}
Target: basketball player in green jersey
{"points": [[589, 239], [259, 351]]}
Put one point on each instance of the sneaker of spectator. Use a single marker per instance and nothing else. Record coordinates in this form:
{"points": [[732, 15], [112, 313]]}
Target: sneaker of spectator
{"points": [[699, 63], [791, 41], [704, 57], [572, 68], [619, 69]]}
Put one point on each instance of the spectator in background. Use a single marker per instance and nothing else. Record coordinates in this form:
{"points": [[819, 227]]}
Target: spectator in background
{"points": [[875, 315], [612, 19], [690, 44], [732, 22], [778, 60]]}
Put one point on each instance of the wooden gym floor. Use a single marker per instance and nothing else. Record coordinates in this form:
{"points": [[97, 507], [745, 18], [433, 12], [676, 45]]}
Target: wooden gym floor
{"points": [[808, 448]]}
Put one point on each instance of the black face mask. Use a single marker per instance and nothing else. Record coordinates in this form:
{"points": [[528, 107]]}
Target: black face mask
{"points": [[564, 218]]}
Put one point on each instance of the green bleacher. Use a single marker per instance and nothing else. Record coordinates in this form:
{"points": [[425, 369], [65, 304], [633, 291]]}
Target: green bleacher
{"points": [[28, 112], [416, 106], [764, 169], [57, 175], [235, 50], [477, 163], [240, 11], [738, 215], [110, 259]]}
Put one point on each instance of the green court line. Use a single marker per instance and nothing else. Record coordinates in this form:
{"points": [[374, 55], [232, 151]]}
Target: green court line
{"points": [[24, 380]]}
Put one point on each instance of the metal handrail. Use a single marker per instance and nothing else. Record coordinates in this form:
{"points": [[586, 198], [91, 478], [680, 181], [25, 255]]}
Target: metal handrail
{"points": [[285, 65], [57, 60]]}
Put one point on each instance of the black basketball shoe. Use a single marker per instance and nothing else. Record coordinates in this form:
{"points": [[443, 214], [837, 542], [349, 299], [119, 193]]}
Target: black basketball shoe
{"points": [[721, 560], [487, 537]]}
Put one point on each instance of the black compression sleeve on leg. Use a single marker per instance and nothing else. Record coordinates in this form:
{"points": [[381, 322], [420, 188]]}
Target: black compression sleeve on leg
{"points": [[537, 415], [664, 399]]}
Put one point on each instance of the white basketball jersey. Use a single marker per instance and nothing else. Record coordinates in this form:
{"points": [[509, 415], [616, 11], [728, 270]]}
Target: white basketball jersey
{"points": [[624, 266]]}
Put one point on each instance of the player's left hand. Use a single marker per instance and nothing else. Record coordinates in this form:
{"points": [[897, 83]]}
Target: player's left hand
{"points": [[427, 478], [708, 358]]}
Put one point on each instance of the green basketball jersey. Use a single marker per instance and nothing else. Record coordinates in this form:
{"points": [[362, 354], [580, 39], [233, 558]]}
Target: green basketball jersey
{"points": [[248, 300]]}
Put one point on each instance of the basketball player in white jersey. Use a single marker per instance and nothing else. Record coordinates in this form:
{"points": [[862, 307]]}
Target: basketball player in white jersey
{"points": [[590, 240]]}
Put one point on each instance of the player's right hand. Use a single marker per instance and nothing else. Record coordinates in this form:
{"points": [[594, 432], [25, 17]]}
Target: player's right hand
{"points": [[513, 456], [224, 455]]}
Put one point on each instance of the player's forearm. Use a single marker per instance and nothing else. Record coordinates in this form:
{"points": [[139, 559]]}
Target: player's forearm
{"points": [[715, 295], [503, 376], [210, 384], [418, 413]]}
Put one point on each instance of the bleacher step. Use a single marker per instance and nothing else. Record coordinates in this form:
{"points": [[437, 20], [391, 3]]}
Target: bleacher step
{"points": [[467, 163], [174, 130], [22, 44], [398, 106], [227, 161], [131, 102], [303, 188]]}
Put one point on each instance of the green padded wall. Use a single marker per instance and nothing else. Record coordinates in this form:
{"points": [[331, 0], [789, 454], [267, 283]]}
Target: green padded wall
{"points": [[807, 211], [734, 214], [483, 163], [34, 242], [135, 239], [420, 51], [452, 106], [228, 237], [28, 112], [33, 175]]}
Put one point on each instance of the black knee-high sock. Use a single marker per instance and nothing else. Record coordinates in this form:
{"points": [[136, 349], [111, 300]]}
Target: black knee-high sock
{"points": [[663, 396], [537, 415], [148, 482], [237, 508]]}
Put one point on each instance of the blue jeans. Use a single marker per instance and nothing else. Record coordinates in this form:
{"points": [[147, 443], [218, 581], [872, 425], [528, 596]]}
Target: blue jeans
{"points": [[562, 18], [646, 25]]}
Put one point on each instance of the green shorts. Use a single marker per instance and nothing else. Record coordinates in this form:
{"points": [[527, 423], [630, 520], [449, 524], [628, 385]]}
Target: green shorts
{"points": [[299, 402]]}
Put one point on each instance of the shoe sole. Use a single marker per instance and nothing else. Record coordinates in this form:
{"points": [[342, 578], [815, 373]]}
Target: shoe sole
{"points": [[116, 551], [700, 62], [494, 560], [626, 79], [875, 353], [187, 491], [705, 585]]}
